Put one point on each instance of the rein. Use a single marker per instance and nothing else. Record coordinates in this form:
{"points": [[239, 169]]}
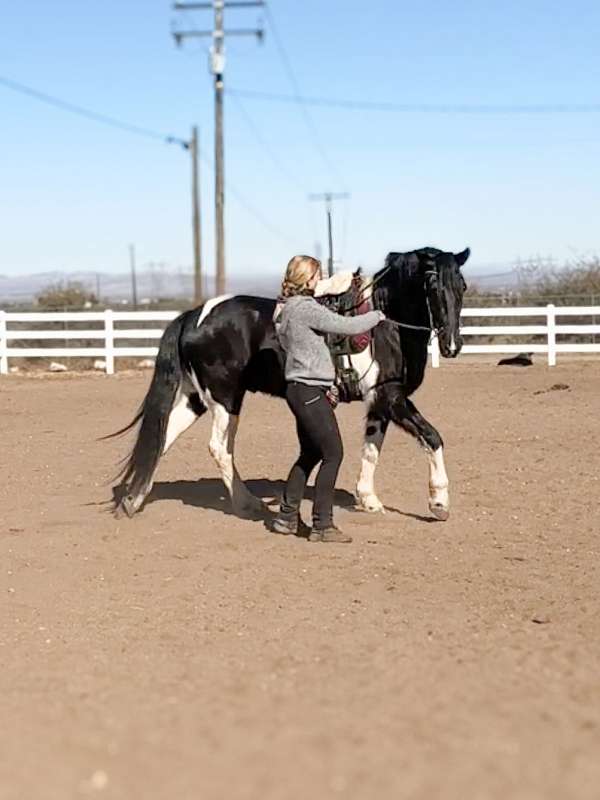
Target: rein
{"points": [[430, 329]]}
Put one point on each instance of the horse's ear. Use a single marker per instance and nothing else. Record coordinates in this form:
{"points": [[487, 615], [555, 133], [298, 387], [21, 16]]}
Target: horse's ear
{"points": [[460, 258]]}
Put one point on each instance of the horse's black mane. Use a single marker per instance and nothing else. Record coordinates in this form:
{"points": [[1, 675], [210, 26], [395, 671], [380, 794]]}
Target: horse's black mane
{"points": [[408, 269], [398, 268]]}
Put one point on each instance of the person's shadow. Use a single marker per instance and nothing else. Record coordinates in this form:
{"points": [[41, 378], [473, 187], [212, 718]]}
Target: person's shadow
{"points": [[210, 493]]}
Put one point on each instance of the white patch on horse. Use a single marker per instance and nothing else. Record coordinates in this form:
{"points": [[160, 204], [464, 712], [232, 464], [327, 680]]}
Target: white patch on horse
{"points": [[368, 370], [365, 487], [181, 418], [439, 500], [221, 443], [221, 447], [210, 304]]}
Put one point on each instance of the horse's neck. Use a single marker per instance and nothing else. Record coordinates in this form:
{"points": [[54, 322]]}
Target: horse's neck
{"points": [[405, 301]]}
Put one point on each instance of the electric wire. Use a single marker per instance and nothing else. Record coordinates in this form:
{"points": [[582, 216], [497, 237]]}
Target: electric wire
{"points": [[309, 121], [421, 108], [138, 130]]}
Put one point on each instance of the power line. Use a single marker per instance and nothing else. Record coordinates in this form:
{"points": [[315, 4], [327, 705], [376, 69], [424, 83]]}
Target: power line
{"points": [[297, 98], [273, 157], [259, 215], [64, 105], [421, 108], [105, 119], [245, 203]]}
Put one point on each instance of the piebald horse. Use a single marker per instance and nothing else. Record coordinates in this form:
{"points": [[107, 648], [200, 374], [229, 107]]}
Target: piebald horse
{"points": [[210, 356]]}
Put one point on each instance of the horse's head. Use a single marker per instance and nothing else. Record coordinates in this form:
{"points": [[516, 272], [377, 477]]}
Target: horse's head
{"points": [[444, 289], [424, 289]]}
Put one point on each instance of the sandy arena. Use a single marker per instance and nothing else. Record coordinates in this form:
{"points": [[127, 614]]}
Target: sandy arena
{"points": [[190, 654]]}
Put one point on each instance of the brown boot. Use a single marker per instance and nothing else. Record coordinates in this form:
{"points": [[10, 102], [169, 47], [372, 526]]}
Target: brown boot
{"points": [[331, 534], [291, 527]]}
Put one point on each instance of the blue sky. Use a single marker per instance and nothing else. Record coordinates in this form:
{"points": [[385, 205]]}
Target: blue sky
{"points": [[73, 193]]}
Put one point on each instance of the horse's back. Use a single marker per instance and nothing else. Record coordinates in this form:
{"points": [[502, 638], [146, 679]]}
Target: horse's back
{"points": [[231, 347]]}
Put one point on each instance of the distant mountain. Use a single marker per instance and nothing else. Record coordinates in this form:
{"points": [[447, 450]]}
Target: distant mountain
{"points": [[158, 283], [151, 285]]}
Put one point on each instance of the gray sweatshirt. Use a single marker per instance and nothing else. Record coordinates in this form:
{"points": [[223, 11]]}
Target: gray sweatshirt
{"points": [[301, 321]]}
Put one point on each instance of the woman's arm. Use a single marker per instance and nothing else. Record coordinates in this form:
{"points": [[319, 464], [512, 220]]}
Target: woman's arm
{"points": [[323, 320]]}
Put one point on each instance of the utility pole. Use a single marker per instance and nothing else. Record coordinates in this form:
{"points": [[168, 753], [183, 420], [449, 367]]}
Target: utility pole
{"points": [[133, 277], [196, 218], [193, 148], [217, 68], [329, 197]]}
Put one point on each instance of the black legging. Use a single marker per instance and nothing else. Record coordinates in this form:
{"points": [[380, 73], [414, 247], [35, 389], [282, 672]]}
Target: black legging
{"points": [[320, 440]]}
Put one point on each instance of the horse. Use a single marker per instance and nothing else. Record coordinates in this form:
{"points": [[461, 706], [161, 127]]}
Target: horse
{"points": [[209, 357]]}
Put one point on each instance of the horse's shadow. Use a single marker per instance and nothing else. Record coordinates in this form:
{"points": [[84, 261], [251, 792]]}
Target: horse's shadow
{"points": [[210, 493]]}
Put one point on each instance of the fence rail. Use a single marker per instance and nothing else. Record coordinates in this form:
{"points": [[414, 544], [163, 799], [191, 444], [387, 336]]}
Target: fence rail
{"points": [[105, 337]]}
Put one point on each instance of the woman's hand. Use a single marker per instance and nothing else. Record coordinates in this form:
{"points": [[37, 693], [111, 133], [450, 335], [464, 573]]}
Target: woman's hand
{"points": [[382, 316]]}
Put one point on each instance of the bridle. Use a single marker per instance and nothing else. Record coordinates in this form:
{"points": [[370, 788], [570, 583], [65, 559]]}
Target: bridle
{"points": [[431, 278], [440, 328], [431, 328]]}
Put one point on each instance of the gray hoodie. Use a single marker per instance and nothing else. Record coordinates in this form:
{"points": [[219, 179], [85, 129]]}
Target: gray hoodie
{"points": [[299, 326]]}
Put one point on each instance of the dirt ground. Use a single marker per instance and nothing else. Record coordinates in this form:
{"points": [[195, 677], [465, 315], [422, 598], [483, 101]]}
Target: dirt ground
{"points": [[190, 654]]}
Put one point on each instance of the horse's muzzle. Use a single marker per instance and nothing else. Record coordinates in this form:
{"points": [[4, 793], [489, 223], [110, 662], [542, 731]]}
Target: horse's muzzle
{"points": [[450, 349]]}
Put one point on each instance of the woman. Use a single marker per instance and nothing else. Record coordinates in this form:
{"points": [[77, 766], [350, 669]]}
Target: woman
{"points": [[310, 373]]}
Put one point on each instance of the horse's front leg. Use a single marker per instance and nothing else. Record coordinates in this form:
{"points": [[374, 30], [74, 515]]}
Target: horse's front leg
{"points": [[375, 429], [407, 417]]}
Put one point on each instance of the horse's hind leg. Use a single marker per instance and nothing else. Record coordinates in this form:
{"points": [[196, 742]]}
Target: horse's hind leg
{"points": [[221, 448], [407, 417], [186, 409]]}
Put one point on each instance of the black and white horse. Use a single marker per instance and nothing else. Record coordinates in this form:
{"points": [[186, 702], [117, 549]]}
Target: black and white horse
{"points": [[211, 356]]}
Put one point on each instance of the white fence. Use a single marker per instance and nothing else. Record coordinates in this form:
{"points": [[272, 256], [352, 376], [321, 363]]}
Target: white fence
{"points": [[548, 327], [105, 336]]}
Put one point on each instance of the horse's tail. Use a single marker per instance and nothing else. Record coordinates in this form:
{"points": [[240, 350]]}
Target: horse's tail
{"points": [[153, 416]]}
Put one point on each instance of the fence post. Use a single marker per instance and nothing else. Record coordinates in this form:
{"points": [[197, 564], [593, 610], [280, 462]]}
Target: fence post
{"points": [[435, 351], [109, 342], [3, 344], [551, 326]]}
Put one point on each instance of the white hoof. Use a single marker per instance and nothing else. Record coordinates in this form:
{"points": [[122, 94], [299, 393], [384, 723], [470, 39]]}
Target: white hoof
{"points": [[439, 502], [370, 503], [439, 511]]}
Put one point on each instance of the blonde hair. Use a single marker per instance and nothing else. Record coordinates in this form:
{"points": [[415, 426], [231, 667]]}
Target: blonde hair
{"points": [[300, 270]]}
